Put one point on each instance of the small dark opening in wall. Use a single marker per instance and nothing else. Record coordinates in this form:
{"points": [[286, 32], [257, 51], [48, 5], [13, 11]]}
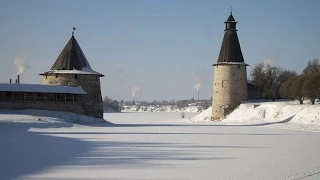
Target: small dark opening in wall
{"points": [[56, 75], [8, 94], [238, 66], [46, 76], [76, 76]]}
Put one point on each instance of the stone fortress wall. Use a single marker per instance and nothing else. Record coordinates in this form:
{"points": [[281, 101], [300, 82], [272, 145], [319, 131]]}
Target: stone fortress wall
{"points": [[230, 88], [91, 103], [50, 106]]}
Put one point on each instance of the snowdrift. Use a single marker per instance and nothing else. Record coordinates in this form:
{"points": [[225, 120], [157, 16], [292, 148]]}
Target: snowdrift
{"points": [[41, 116], [265, 112]]}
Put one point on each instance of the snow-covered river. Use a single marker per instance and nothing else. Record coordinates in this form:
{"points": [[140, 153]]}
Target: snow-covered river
{"points": [[154, 146]]}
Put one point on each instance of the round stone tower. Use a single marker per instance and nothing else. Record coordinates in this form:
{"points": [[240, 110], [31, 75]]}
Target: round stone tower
{"points": [[72, 69], [230, 74]]}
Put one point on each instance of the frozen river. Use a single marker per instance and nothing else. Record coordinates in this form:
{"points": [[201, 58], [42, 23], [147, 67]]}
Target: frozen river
{"points": [[160, 146]]}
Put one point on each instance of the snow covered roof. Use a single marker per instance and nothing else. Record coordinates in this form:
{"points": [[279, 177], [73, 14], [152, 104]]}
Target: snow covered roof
{"points": [[231, 63], [73, 72], [72, 58], [40, 88]]}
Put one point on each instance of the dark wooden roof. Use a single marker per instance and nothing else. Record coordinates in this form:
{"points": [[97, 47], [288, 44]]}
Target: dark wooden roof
{"points": [[71, 57], [230, 49], [230, 18]]}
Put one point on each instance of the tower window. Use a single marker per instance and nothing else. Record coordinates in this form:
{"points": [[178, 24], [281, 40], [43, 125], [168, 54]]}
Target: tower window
{"points": [[76, 76], [56, 75], [238, 66], [46, 76]]}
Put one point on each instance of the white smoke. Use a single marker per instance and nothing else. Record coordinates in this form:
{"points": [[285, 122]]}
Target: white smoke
{"points": [[20, 61], [136, 91], [198, 86], [200, 76]]}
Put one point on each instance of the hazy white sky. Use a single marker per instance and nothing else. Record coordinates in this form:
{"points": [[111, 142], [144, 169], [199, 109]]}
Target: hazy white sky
{"points": [[164, 47]]}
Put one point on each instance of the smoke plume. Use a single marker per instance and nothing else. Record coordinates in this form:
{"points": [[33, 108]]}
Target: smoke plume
{"points": [[136, 91], [198, 86], [200, 76], [20, 61]]}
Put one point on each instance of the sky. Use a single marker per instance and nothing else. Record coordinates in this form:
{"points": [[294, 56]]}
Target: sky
{"points": [[162, 47]]}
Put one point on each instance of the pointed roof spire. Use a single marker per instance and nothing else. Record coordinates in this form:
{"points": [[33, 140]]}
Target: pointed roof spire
{"points": [[71, 57], [230, 49], [231, 18], [72, 60]]}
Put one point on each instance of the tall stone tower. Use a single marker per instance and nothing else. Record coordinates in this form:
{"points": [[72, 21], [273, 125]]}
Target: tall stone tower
{"points": [[230, 74], [72, 69]]}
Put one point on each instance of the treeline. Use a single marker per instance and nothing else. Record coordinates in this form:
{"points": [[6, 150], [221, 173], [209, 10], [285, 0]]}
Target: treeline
{"points": [[109, 103], [274, 82]]}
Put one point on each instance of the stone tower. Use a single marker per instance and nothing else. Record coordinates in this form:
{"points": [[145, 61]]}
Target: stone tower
{"points": [[230, 75], [72, 69]]}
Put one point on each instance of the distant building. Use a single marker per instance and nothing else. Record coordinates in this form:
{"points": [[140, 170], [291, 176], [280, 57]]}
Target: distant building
{"points": [[230, 74], [70, 85]]}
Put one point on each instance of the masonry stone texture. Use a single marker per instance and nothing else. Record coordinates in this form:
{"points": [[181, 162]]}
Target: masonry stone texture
{"points": [[91, 103], [229, 89]]}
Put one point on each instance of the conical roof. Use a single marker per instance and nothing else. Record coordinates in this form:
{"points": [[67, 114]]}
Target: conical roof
{"points": [[72, 60], [71, 57], [230, 51], [230, 18]]}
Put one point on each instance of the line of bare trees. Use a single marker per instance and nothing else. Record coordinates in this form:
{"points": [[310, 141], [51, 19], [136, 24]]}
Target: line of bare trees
{"points": [[274, 82]]}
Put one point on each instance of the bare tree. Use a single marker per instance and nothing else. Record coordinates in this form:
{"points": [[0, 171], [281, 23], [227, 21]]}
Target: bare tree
{"points": [[109, 103], [258, 77], [296, 88], [266, 78], [311, 87], [312, 67], [273, 84], [285, 75], [285, 88]]}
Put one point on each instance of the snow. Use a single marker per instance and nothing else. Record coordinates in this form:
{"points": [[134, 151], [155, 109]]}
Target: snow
{"points": [[270, 112], [204, 116], [235, 63], [74, 71], [161, 145], [152, 108], [40, 88]]}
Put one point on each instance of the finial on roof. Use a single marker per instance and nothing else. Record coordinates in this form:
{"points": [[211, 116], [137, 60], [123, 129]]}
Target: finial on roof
{"points": [[231, 10], [73, 29]]}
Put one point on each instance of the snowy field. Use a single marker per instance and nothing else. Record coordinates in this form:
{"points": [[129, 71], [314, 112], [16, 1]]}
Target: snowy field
{"points": [[160, 146]]}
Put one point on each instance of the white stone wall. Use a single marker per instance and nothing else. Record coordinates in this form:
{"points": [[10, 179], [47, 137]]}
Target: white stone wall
{"points": [[229, 88], [91, 102]]}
